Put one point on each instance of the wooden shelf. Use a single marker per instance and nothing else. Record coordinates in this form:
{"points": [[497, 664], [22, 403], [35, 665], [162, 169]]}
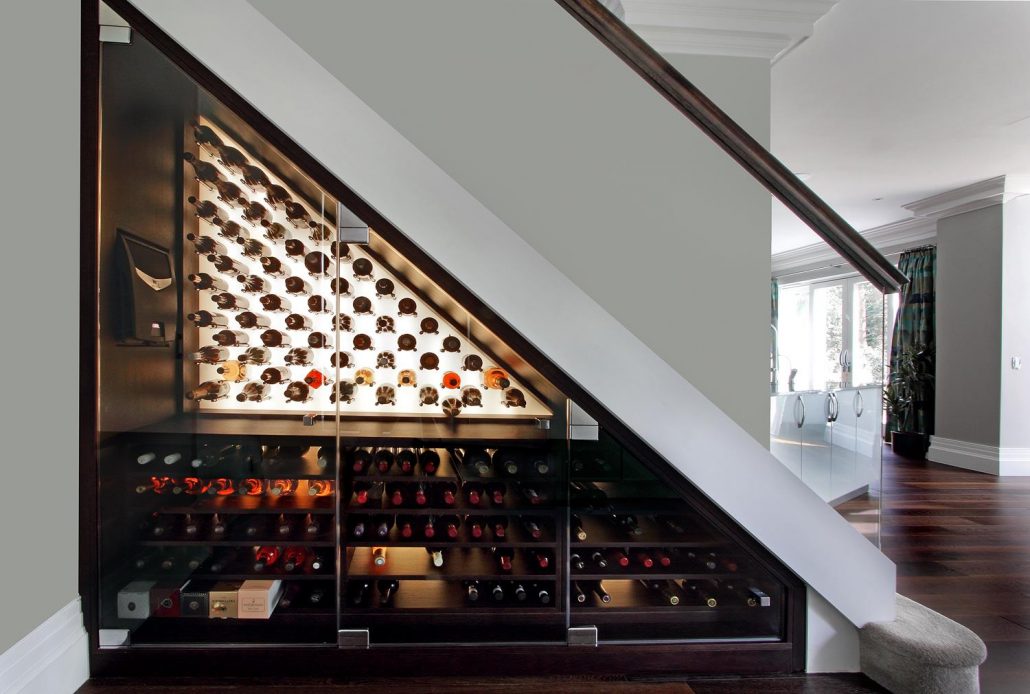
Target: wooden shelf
{"points": [[414, 563], [251, 504]]}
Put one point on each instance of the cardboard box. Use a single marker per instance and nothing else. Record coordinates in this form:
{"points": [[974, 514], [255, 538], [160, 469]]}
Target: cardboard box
{"points": [[258, 599], [164, 600], [223, 598], [134, 600], [193, 599]]}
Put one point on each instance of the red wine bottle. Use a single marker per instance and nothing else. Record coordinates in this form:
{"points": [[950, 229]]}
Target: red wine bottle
{"points": [[256, 355], [231, 158], [295, 249], [229, 302], [274, 302], [275, 374], [298, 356], [224, 263], [272, 267], [275, 232], [250, 320], [229, 192], [383, 460], [296, 214], [202, 171], [296, 321], [276, 195], [207, 210], [254, 392], [298, 391], [231, 338], [203, 281], [254, 177], [252, 248], [205, 245], [210, 355], [207, 319], [206, 138], [253, 212]]}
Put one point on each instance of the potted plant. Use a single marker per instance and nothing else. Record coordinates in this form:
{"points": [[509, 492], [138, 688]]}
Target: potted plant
{"points": [[909, 386]]}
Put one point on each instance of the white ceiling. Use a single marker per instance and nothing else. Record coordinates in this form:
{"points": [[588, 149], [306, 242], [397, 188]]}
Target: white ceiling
{"points": [[900, 100]]}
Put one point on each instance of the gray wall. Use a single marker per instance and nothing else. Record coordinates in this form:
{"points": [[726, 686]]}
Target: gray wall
{"points": [[39, 283], [969, 328], [1015, 329], [588, 164]]}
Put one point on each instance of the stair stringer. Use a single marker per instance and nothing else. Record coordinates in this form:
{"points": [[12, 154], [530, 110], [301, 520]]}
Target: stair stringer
{"points": [[357, 146]]}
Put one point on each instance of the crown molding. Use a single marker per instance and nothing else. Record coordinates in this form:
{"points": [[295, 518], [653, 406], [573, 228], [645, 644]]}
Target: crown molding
{"points": [[888, 239], [742, 28], [976, 196]]}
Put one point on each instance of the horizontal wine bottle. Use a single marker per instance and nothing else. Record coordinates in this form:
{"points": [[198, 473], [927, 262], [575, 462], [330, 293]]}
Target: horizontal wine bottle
{"points": [[207, 319]]}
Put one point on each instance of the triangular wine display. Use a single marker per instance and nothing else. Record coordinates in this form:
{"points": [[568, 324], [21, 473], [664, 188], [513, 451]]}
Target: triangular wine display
{"points": [[280, 285]]}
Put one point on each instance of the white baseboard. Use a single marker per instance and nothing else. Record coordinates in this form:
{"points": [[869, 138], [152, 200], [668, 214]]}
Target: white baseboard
{"points": [[52, 659], [993, 460]]}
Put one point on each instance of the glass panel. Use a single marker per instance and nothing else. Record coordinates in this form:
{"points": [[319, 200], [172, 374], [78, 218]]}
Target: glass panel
{"points": [[827, 335], [867, 334], [644, 565], [794, 338]]}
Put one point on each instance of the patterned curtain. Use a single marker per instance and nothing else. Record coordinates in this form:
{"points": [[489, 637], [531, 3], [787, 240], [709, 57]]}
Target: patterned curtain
{"points": [[915, 325], [774, 362]]}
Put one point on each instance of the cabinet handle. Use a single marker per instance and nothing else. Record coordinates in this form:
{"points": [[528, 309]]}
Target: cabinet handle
{"points": [[800, 422], [828, 407], [836, 407], [859, 404]]}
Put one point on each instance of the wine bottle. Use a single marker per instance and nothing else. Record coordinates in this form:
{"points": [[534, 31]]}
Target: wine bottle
{"points": [[229, 192], [429, 362], [406, 460], [539, 464], [254, 177], [252, 486], [294, 558], [275, 338], [383, 460], [265, 557], [387, 589], [645, 560], [297, 215], [231, 158], [598, 559], [284, 526], [276, 195], [384, 324], [318, 304], [503, 557], [532, 527], [419, 495], [379, 556], [360, 460], [472, 591], [203, 171], [507, 462], [210, 391], [362, 268], [340, 250], [207, 319], [474, 493], [316, 562], [223, 560], [451, 525], [578, 594], [367, 493], [252, 248], [406, 527], [407, 307], [340, 286], [207, 210], [700, 594], [298, 356], [475, 527], [499, 527], [206, 138], [436, 556], [702, 562], [543, 595], [447, 493], [320, 233], [513, 397], [428, 326], [427, 524], [219, 527], [381, 525], [203, 281], [598, 589], [205, 245], [497, 592], [282, 487], [496, 378], [231, 338], [664, 559], [160, 485], [298, 391], [541, 558], [665, 590], [359, 593], [620, 558], [229, 302], [316, 596], [226, 265], [250, 320], [317, 379], [232, 370], [317, 264], [210, 355], [496, 491], [256, 355], [253, 212], [274, 302], [231, 230], [358, 526], [319, 340], [384, 287], [429, 461], [576, 528], [162, 526], [576, 562], [295, 249], [362, 306], [471, 397]]}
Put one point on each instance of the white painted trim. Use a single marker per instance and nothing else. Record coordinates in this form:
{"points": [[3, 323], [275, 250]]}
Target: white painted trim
{"points": [[743, 28], [889, 238], [992, 460], [52, 659], [976, 196], [697, 439]]}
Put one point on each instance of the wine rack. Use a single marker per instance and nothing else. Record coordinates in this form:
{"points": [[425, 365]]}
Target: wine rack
{"points": [[368, 458]]}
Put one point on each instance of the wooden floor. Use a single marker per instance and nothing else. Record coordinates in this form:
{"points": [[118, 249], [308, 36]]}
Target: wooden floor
{"points": [[961, 541]]}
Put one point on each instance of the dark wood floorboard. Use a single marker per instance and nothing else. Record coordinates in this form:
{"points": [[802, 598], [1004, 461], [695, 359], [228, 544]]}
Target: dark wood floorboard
{"points": [[961, 541]]}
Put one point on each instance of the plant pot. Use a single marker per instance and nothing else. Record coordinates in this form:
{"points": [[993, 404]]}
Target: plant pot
{"points": [[909, 444]]}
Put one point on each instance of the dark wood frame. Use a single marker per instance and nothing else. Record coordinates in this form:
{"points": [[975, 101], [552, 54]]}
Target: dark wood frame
{"points": [[740, 658], [735, 141]]}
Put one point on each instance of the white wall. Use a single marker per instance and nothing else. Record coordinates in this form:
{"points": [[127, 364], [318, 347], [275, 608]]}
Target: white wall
{"points": [[584, 162], [39, 64], [1015, 326]]}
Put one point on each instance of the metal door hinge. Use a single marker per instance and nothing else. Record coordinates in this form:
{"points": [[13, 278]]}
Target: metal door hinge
{"points": [[583, 636], [352, 638]]}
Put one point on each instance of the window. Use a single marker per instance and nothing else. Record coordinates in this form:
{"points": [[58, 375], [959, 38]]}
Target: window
{"points": [[831, 334]]}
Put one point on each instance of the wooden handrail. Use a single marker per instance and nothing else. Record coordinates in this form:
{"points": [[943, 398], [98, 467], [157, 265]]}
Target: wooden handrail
{"points": [[769, 170]]}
